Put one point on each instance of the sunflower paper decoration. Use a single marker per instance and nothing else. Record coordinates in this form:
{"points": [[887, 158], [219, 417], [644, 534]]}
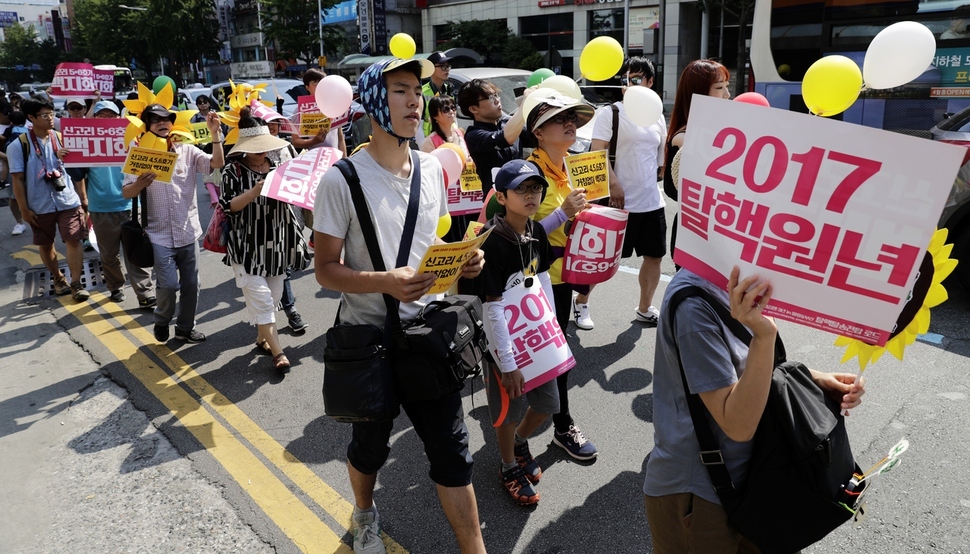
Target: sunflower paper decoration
{"points": [[138, 130], [242, 96], [928, 292]]}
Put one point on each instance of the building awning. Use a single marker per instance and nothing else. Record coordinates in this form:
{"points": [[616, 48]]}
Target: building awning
{"points": [[360, 61]]}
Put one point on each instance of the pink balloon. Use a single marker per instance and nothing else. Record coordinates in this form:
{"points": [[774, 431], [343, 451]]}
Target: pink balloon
{"points": [[753, 98], [333, 96], [451, 163]]}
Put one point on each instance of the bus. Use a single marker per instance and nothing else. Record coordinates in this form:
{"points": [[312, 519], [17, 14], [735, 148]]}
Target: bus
{"points": [[124, 83], [788, 36]]}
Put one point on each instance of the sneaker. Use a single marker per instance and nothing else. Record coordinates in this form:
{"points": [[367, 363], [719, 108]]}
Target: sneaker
{"points": [[78, 293], [296, 322], [192, 336], [651, 318], [309, 245], [529, 465], [146, 303], [518, 486], [581, 315], [367, 532], [61, 286], [161, 332], [18, 229], [117, 296], [575, 443]]}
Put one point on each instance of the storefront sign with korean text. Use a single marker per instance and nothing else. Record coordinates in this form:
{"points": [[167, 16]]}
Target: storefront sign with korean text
{"points": [[94, 142], [295, 181], [837, 216]]}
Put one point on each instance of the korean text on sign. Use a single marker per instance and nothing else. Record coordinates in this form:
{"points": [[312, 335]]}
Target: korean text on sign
{"points": [[588, 171], [461, 202], [837, 216], [142, 160], [594, 246], [295, 181], [538, 343], [73, 80], [446, 260], [94, 142]]}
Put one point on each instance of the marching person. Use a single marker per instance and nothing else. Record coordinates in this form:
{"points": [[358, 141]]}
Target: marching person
{"points": [[173, 223], [391, 96]]}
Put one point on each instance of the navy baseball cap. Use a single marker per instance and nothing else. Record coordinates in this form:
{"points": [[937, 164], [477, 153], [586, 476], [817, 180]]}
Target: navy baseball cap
{"points": [[516, 172]]}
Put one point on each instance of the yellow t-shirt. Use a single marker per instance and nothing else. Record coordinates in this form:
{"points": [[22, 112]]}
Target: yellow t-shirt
{"points": [[555, 195]]}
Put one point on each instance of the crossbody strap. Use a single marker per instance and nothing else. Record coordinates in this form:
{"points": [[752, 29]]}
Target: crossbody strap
{"points": [[346, 168], [616, 133], [711, 455]]}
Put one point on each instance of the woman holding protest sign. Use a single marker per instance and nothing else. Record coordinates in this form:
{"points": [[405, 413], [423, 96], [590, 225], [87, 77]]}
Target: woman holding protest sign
{"points": [[553, 123], [706, 77], [265, 238]]}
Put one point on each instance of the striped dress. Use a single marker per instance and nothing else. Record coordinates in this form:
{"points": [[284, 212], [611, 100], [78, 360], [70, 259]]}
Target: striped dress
{"points": [[264, 237]]}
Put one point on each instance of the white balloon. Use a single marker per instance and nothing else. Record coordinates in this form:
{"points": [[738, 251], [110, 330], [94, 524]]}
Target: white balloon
{"points": [[643, 106], [898, 54], [564, 85]]}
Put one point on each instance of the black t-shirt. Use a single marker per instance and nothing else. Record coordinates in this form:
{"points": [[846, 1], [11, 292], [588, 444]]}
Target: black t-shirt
{"points": [[488, 147], [506, 260]]}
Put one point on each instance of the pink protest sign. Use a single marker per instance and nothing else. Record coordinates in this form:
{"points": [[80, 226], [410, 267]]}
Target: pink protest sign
{"points": [[837, 216], [538, 343], [308, 105], [462, 202], [104, 81], [594, 246], [73, 80], [264, 112], [94, 142], [295, 181]]}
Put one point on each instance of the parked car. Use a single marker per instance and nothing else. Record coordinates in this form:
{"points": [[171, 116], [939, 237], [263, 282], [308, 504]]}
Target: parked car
{"points": [[189, 94], [956, 213], [355, 130]]}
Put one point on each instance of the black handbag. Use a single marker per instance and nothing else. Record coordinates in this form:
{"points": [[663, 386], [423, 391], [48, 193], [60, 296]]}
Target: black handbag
{"points": [[801, 462], [443, 346], [134, 239], [358, 377]]}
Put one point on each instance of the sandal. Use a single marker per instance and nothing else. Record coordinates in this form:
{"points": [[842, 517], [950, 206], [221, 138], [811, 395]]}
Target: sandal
{"points": [[263, 347], [281, 363]]}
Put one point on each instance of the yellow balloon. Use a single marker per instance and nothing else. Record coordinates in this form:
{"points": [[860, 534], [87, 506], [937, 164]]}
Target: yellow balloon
{"points": [[831, 85], [601, 59], [402, 46], [444, 225]]}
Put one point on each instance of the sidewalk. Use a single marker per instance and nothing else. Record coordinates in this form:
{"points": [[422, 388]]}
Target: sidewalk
{"points": [[82, 470]]}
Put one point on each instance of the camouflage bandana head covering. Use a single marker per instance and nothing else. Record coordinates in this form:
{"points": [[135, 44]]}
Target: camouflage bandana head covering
{"points": [[373, 92]]}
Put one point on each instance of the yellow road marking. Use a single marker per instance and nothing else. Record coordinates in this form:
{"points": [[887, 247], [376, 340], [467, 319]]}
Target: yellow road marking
{"points": [[31, 254], [304, 478]]}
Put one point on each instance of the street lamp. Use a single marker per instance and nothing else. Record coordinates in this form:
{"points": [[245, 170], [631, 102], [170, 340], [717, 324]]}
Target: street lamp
{"points": [[161, 63]]}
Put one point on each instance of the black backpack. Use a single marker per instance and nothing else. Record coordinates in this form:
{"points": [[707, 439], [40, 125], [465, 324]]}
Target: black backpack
{"points": [[801, 463]]}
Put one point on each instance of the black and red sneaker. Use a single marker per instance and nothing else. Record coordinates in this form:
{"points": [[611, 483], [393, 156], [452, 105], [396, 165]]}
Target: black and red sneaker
{"points": [[518, 486], [529, 465]]}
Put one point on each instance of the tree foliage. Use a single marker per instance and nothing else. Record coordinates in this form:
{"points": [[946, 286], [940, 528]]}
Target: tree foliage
{"points": [[492, 39], [22, 47], [743, 13], [295, 26]]}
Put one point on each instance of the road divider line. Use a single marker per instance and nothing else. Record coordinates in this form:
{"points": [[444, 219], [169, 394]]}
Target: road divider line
{"points": [[303, 477], [288, 512]]}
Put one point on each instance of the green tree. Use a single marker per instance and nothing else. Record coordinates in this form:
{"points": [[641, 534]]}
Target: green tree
{"points": [[295, 26], [492, 39], [22, 47], [107, 34], [521, 54]]}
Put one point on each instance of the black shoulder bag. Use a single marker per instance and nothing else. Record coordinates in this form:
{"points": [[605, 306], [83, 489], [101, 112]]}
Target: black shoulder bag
{"points": [[801, 460], [134, 239]]}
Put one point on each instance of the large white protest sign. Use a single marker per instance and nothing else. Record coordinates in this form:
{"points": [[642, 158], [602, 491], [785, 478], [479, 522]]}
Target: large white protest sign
{"points": [[838, 216]]}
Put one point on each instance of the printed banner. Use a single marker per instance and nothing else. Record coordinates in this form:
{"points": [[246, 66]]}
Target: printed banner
{"points": [[94, 142], [837, 216], [141, 160], [73, 80], [104, 81], [588, 171], [460, 202], [469, 179], [295, 181], [594, 246], [445, 261], [309, 119], [538, 343]]}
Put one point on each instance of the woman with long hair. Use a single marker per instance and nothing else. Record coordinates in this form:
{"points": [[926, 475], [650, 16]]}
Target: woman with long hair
{"points": [[265, 238], [444, 130], [706, 77]]}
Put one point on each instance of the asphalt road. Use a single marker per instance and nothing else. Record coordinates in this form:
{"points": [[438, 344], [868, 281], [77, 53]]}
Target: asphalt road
{"points": [[264, 443]]}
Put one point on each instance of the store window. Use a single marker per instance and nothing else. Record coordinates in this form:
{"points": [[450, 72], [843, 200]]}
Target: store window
{"points": [[606, 23], [546, 32]]}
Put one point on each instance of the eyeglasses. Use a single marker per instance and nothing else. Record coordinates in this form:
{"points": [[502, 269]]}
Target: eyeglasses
{"points": [[534, 188], [561, 119], [443, 66], [447, 109], [632, 80], [494, 98], [46, 115]]}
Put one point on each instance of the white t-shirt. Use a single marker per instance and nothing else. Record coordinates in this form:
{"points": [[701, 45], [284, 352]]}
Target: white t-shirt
{"points": [[387, 201], [638, 150]]}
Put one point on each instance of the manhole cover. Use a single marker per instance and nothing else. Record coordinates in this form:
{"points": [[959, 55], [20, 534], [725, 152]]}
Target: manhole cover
{"points": [[38, 282]]}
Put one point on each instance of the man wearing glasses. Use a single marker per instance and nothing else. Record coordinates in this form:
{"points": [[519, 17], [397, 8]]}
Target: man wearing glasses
{"points": [[437, 85], [491, 139], [635, 169]]}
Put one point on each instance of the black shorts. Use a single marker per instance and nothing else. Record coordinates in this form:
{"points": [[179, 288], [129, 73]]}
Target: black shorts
{"points": [[646, 233]]}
